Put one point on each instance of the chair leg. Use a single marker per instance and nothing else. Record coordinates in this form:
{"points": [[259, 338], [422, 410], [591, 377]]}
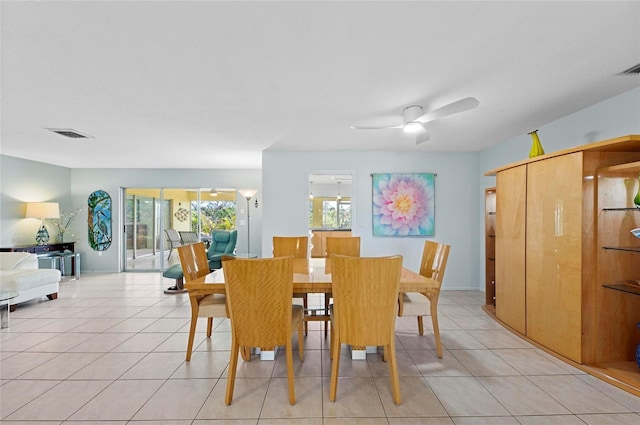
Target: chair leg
{"points": [[301, 341], [192, 329], [393, 372], [331, 336], [420, 325], [327, 298], [306, 306], [231, 375], [292, 389], [335, 367], [434, 320], [209, 326], [246, 353]]}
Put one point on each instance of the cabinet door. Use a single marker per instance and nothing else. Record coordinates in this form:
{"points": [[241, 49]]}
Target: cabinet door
{"points": [[510, 246], [554, 253]]}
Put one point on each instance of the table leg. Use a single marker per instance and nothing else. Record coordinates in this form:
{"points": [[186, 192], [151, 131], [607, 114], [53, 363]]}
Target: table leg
{"points": [[62, 258], [4, 316]]}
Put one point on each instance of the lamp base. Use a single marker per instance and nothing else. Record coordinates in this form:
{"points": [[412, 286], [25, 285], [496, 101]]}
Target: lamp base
{"points": [[42, 237]]}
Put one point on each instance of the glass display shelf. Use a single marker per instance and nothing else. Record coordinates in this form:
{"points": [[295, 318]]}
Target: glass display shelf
{"points": [[622, 209], [621, 286], [623, 248]]}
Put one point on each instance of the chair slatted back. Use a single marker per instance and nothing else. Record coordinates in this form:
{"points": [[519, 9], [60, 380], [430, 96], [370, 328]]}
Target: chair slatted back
{"points": [[188, 237], [173, 237], [296, 246], [259, 300], [434, 260], [194, 262], [365, 298], [342, 246]]}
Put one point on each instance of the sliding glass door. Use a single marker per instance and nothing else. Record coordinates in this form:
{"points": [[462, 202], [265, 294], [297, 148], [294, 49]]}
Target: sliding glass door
{"points": [[148, 212], [146, 215]]}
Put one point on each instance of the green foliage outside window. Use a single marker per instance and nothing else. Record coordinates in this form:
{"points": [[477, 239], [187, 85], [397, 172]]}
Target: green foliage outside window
{"points": [[213, 215]]}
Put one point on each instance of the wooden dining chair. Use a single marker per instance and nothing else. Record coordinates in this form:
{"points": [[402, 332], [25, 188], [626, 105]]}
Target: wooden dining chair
{"points": [[261, 311], [195, 264], [433, 265], [365, 302], [342, 246], [297, 247]]}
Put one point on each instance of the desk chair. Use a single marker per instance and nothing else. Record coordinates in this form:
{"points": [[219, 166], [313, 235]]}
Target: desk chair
{"points": [[433, 265], [261, 311], [193, 259], [365, 303]]}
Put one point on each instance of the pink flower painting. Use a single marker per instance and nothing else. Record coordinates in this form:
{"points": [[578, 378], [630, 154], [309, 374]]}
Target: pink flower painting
{"points": [[403, 204]]}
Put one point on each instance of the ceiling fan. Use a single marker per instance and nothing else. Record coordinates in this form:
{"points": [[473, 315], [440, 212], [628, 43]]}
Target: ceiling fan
{"points": [[414, 118]]}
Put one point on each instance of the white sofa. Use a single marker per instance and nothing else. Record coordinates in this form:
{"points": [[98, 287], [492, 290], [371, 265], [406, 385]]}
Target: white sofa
{"points": [[19, 272]]}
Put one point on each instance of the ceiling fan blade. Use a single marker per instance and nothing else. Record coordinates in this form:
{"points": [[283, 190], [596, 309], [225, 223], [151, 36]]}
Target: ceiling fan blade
{"points": [[422, 137], [452, 108], [355, 127]]}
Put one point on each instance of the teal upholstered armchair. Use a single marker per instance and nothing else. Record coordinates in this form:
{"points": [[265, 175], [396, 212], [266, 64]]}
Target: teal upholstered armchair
{"points": [[223, 242]]}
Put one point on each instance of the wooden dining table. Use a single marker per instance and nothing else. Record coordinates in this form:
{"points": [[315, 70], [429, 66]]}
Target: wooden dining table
{"points": [[309, 277]]}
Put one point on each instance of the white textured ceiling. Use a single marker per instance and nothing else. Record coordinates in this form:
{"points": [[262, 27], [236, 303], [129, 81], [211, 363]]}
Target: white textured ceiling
{"points": [[180, 84]]}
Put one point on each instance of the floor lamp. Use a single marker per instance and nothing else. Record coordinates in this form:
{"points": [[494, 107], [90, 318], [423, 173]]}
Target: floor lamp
{"points": [[248, 194]]}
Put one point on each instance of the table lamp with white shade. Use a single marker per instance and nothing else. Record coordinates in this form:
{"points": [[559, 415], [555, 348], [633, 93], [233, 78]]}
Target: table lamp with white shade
{"points": [[42, 210]]}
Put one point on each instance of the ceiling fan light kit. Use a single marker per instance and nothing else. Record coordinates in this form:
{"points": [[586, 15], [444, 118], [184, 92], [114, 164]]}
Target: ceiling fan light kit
{"points": [[412, 127]]}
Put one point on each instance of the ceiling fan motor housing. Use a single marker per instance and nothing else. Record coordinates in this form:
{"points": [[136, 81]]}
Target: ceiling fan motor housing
{"points": [[411, 113]]}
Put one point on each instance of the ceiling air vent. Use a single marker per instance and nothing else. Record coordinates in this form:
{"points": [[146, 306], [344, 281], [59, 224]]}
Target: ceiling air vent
{"points": [[633, 70], [67, 132]]}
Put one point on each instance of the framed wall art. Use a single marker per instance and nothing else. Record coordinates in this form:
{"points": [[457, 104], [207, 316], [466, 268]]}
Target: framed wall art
{"points": [[403, 204], [99, 220]]}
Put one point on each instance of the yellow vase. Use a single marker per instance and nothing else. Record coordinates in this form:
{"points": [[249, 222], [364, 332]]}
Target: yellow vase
{"points": [[536, 147]]}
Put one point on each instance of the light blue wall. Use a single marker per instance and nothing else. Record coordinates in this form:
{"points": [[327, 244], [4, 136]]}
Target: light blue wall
{"points": [[23, 181], [614, 117], [85, 181], [285, 177], [283, 189]]}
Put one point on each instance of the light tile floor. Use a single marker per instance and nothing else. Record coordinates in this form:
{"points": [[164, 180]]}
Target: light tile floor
{"points": [[110, 350]]}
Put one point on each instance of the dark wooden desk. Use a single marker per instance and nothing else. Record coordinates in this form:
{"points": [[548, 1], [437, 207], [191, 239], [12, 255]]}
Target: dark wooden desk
{"points": [[50, 251], [42, 249]]}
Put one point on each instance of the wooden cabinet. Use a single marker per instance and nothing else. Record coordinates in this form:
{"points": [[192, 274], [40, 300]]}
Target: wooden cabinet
{"points": [[511, 198], [490, 246], [318, 241], [551, 250], [554, 243]]}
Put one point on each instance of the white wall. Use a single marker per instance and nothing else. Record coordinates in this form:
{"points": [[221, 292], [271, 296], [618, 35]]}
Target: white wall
{"points": [[285, 177], [85, 181]]}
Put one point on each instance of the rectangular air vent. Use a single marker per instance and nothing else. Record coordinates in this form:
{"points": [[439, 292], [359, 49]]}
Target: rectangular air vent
{"points": [[633, 70], [67, 132]]}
